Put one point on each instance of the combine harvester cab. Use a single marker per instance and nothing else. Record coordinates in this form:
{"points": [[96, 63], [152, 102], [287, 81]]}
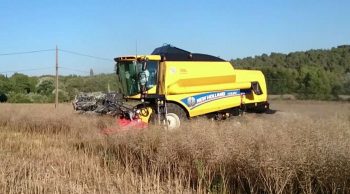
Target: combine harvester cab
{"points": [[174, 84]]}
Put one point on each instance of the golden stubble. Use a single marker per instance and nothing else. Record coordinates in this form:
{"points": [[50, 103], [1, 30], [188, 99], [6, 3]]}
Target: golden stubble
{"points": [[303, 148]]}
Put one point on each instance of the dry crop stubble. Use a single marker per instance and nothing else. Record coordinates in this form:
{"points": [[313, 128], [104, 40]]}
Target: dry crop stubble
{"points": [[303, 148]]}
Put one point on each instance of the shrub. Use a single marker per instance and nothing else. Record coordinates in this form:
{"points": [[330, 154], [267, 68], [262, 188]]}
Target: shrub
{"points": [[3, 97], [19, 98]]}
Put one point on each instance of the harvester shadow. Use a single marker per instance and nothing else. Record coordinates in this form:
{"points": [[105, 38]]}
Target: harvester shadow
{"points": [[271, 111]]}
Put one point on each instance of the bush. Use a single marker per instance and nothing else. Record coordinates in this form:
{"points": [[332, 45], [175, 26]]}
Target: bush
{"points": [[3, 97], [63, 96], [38, 98], [19, 98]]}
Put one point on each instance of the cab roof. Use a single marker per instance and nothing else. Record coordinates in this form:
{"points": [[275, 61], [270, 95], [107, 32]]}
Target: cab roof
{"points": [[171, 53]]}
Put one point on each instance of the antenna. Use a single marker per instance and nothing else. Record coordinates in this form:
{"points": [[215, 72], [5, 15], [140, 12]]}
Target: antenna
{"points": [[136, 49]]}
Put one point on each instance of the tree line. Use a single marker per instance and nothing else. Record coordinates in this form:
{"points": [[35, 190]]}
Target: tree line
{"points": [[20, 88], [322, 74]]}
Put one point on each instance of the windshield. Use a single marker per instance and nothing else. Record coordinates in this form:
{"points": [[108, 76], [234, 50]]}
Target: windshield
{"points": [[129, 76]]}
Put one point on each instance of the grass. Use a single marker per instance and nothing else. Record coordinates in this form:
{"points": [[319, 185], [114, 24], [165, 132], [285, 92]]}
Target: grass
{"points": [[303, 148]]}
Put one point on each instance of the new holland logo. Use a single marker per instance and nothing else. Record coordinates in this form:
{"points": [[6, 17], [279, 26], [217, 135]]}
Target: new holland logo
{"points": [[191, 101], [197, 100]]}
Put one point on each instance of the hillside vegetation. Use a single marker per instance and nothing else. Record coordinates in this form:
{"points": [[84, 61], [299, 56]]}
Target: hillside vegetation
{"points": [[314, 74], [20, 88]]}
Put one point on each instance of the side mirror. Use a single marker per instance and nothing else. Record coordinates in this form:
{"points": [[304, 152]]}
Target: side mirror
{"points": [[116, 69], [144, 65]]}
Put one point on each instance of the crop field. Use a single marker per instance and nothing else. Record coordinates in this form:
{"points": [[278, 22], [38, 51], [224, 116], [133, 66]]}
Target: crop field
{"points": [[303, 148]]}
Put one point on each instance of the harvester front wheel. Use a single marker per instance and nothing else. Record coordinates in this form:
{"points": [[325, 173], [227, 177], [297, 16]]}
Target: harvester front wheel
{"points": [[175, 116]]}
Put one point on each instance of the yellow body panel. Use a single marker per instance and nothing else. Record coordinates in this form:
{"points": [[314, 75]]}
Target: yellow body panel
{"points": [[190, 77], [204, 87], [251, 75], [205, 82]]}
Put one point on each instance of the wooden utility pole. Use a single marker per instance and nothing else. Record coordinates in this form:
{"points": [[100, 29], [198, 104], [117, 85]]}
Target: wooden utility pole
{"points": [[56, 98]]}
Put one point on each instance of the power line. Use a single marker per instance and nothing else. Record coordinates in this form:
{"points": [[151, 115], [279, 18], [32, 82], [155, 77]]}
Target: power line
{"points": [[24, 70], [44, 68], [72, 69], [26, 52], [63, 50], [46, 50], [85, 55]]}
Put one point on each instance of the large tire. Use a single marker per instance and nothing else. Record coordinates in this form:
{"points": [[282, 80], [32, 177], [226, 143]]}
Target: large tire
{"points": [[176, 115], [176, 109]]}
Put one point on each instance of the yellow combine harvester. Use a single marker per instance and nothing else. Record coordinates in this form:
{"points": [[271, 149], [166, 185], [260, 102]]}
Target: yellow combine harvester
{"points": [[174, 84]]}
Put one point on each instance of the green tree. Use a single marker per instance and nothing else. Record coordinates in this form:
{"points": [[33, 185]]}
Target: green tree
{"points": [[314, 84], [45, 87], [22, 83], [280, 80], [287, 73], [5, 85]]}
